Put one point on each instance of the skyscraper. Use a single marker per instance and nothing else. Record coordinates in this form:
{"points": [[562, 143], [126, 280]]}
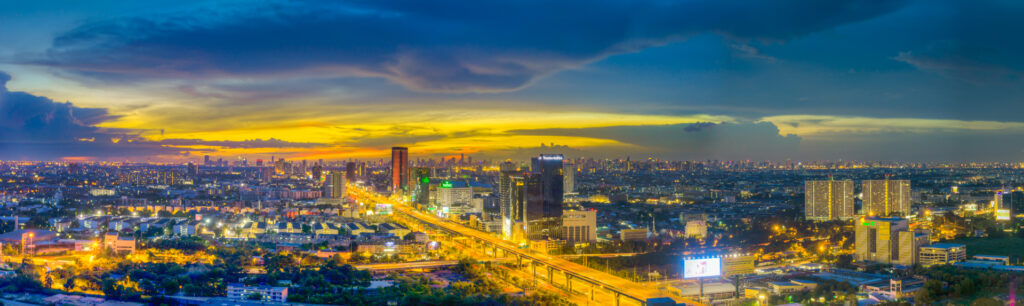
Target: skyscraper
{"points": [[828, 200], [399, 169], [350, 171], [513, 212], [569, 174], [421, 186], [193, 171], [318, 172], [886, 197], [544, 192], [508, 189], [334, 185]]}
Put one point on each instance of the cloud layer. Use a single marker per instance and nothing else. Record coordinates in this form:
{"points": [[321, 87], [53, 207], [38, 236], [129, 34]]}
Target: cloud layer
{"points": [[438, 46], [693, 141], [37, 128]]}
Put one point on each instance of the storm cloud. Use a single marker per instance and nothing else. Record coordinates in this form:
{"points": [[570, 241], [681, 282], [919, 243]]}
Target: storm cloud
{"points": [[435, 46]]}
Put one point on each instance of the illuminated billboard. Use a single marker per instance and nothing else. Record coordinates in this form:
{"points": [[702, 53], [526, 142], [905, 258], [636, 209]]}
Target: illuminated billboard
{"points": [[702, 267], [1002, 214], [737, 265]]}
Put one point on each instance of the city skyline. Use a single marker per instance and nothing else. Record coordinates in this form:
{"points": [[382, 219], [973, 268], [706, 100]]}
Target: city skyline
{"points": [[171, 81]]}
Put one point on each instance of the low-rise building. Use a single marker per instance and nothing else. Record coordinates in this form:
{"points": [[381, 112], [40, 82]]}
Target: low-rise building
{"points": [[393, 229], [186, 228], [942, 253], [265, 293], [358, 228], [696, 229], [791, 286], [119, 243], [636, 234], [579, 226]]}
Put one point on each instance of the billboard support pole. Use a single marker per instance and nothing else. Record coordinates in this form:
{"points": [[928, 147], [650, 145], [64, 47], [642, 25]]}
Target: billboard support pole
{"points": [[701, 287]]}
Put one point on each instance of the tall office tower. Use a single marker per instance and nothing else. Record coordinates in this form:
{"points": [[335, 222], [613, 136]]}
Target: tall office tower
{"points": [[886, 197], [206, 160], [399, 169], [1014, 201], [334, 186], [507, 169], [828, 200], [569, 181], [420, 186], [266, 174], [506, 186], [513, 214], [318, 172], [193, 171], [888, 240], [259, 163], [350, 171], [544, 193]]}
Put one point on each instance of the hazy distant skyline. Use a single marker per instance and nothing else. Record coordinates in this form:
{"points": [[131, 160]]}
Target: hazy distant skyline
{"points": [[926, 80]]}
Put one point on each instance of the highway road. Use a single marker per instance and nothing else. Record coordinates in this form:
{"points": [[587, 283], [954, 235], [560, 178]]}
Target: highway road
{"points": [[602, 279], [407, 265]]}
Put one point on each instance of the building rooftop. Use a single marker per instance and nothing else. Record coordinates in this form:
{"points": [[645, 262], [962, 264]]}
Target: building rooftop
{"points": [[944, 246]]}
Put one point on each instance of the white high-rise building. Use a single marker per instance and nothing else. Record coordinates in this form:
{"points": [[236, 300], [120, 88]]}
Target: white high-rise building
{"points": [[569, 178]]}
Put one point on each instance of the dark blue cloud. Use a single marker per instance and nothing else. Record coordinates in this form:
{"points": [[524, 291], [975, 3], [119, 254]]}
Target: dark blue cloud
{"points": [[974, 45], [442, 46], [37, 128]]}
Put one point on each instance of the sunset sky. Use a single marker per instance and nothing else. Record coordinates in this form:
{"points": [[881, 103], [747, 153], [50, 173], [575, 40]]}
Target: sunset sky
{"points": [[928, 80]]}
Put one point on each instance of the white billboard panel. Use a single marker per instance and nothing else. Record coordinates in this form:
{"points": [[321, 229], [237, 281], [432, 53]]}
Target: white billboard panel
{"points": [[702, 267]]}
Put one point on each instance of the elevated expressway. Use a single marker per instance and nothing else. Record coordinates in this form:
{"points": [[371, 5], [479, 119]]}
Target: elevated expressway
{"points": [[568, 275]]}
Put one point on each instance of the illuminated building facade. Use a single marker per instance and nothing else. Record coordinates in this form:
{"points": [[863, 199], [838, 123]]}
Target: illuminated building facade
{"points": [[421, 186], [828, 200], [943, 254], [887, 240], [399, 169], [544, 193], [334, 185], [886, 197], [569, 175], [579, 226]]}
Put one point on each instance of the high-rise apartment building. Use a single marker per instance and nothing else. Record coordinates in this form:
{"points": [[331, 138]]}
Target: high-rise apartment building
{"points": [[828, 200], [334, 185], [888, 240], [399, 170], [886, 197]]}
